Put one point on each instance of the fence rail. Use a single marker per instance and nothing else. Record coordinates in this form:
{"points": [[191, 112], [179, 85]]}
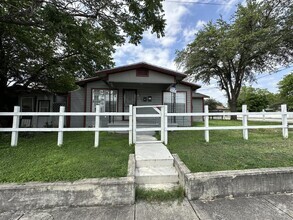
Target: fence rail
{"points": [[61, 114], [132, 126]]}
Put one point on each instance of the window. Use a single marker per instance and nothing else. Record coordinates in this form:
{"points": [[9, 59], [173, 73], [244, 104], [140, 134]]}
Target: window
{"points": [[27, 104], [176, 101], [107, 99], [142, 72], [44, 105]]}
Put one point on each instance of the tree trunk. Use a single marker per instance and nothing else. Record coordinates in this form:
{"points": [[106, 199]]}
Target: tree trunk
{"points": [[233, 108]]}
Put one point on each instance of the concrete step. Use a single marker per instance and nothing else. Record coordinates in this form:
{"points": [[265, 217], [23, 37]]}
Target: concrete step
{"points": [[165, 186], [156, 175], [155, 154], [156, 163]]}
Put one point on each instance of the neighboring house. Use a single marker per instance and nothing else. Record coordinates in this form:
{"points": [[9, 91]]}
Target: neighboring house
{"points": [[198, 104], [36, 100], [137, 84]]}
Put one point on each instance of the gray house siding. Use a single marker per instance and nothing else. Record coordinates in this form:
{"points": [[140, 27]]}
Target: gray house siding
{"points": [[130, 76], [152, 87], [77, 99], [185, 121], [37, 121], [155, 91], [35, 100], [197, 104]]}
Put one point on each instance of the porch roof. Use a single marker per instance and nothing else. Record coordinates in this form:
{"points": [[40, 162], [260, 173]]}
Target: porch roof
{"points": [[199, 95]]}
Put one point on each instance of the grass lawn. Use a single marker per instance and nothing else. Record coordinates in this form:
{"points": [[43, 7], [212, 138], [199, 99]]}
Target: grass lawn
{"points": [[228, 151], [38, 158]]}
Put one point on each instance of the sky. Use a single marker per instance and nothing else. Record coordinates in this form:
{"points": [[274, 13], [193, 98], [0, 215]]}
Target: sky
{"points": [[183, 19]]}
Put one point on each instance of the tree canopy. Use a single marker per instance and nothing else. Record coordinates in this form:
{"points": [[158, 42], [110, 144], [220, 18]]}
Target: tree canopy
{"points": [[51, 43], [286, 90], [257, 39], [256, 99], [212, 103]]}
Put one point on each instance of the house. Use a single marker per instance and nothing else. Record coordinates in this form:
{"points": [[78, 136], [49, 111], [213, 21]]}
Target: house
{"points": [[34, 100], [198, 104], [136, 84]]}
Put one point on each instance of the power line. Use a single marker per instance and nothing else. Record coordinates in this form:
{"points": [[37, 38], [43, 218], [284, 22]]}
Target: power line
{"points": [[195, 2], [279, 70]]}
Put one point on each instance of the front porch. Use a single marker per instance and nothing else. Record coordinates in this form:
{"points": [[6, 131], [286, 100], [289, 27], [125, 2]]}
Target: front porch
{"points": [[120, 96]]}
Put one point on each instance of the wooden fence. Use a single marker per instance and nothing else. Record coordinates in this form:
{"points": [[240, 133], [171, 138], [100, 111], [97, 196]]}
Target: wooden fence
{"points": [[132, 126]]}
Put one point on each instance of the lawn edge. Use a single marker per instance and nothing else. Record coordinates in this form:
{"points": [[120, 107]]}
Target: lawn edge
{"points": [[234, 183]]}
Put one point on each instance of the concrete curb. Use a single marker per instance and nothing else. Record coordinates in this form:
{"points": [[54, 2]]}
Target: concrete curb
{"points": [[234, 183], [131, 166], [182, 170], [87, 192]]}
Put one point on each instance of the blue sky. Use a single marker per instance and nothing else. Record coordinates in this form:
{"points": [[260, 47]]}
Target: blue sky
{"points": [[183, 21]]}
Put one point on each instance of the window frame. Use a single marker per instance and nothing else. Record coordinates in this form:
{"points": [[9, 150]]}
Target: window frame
{"points": [[107, 89], [40, 105], [182, 92], [32, 102]]}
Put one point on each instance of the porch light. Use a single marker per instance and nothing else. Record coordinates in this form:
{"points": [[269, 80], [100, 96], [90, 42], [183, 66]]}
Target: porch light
{"points": [[173, 88]]}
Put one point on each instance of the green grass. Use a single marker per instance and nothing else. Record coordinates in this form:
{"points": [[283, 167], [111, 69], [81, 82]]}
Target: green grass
{"points": [[228, 151], [159, 195], [38, 158]]}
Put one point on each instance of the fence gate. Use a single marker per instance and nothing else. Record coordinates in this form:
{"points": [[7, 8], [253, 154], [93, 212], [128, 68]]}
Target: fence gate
{"points": [[161, 112]]}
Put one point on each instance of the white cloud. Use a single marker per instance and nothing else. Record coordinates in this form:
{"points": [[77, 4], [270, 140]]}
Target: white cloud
{"points": [[173, 16], [229, 5], [189, 32], [156, 50], [130, 53]]}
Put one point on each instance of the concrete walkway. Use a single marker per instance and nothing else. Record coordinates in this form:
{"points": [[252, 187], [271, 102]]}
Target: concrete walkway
{"points": [[261, 207], [154, 165]]}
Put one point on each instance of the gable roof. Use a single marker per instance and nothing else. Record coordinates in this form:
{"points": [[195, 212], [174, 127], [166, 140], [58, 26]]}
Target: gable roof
{"points": [[199, 95], [142, 65], [103, 73], [191, 84]]}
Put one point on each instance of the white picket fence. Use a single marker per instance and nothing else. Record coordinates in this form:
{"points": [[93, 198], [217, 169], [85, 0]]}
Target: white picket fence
{"points": [[162, 112]]}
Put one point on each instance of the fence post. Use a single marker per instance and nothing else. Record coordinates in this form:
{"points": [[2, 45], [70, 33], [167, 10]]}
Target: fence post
{"points": [[244, 122], [134, 124], [61, 125], [15, 125], [284, 121], [97, 126], [206, 124], [163, 123], [130, 125], [166, 124], [263, 116]]}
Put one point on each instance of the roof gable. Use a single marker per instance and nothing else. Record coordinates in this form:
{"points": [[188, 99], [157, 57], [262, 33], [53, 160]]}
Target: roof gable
{"points": [[142, 65], [104, 73]]}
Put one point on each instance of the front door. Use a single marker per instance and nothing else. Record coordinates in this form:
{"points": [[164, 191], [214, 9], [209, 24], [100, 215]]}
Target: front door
{"points": [[129, 98]]}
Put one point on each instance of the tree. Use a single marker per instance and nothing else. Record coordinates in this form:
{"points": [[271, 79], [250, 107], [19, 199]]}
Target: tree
{"points": [[255, 99], [255, 41], [51, 43], [286, 90], [212, 103]]}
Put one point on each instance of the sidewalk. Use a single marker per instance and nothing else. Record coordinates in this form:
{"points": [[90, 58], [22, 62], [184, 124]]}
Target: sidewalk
{"points": [[261, 207]]}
